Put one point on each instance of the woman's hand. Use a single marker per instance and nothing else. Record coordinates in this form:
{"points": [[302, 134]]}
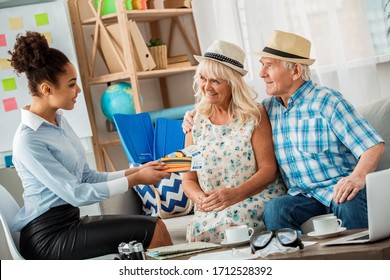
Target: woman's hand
{"points": [[218, 200], [155, 163], [133, 170], [199, 202], [150, 174]]}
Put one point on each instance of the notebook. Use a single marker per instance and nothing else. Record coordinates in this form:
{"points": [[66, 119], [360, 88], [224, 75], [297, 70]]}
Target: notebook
{"points": [[378, 209], [173, 251]]}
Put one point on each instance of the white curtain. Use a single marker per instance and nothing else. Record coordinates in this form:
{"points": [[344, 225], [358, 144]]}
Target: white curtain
{"points": [[348, 38]]}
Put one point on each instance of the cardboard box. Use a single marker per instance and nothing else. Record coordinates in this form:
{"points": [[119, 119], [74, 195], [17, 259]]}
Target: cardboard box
{"points": [[173, 4], [155, 4]]}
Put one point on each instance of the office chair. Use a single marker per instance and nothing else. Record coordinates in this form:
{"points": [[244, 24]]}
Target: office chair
{"points": [[8, 210]]}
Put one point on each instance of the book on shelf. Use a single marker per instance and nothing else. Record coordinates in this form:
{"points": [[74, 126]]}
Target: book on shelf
{"points": [[141, 49], [110, 48], [155, 4], [177, 4], [110, 44], [177, 58], [179, 64]]}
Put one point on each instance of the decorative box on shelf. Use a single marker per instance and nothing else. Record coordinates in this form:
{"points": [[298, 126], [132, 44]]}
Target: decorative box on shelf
{"points": [[113, 55], [109, 6], [177, 4], [159, 54], [155, 4], [139, 4]]}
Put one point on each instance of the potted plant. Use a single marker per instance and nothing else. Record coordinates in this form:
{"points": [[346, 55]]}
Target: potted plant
{"points": [[158, 50]]}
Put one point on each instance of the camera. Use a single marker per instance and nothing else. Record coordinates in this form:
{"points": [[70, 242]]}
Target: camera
{"points": [[131, 251]]}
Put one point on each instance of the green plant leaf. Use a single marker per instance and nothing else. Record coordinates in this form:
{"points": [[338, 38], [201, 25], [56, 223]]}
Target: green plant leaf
{"points": [[155, 42]]}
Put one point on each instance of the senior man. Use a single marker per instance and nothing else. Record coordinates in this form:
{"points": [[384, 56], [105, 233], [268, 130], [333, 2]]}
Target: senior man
{"points": [[323, 146]]}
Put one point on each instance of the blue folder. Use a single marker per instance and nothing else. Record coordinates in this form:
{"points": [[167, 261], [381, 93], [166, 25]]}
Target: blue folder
{"points": [[143, 142], [168, 137], [136, 133]]}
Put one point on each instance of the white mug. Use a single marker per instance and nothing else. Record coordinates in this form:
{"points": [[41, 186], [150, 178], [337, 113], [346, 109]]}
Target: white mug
{"points": [[326, 224], [238, 234]]}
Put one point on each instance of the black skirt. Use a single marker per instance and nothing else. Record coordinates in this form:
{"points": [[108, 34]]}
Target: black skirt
{"points": [[60, 233]]}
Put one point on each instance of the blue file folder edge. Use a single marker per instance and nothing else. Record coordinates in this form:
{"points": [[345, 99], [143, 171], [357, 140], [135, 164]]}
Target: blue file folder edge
{"points": [[137, 136], [168, 137]]}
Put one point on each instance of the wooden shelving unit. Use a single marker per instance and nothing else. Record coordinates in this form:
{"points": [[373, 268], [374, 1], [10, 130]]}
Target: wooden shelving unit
{"points": [[88, 66]]}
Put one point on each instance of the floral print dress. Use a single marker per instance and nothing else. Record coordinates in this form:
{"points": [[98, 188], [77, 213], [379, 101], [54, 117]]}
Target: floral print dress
{"points": [[229, 160]]}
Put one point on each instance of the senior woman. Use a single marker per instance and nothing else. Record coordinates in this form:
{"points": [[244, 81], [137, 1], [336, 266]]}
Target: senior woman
{"points": [[233, 134]]}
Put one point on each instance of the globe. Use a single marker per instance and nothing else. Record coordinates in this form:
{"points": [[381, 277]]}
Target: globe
{"points": [[117, 99]]}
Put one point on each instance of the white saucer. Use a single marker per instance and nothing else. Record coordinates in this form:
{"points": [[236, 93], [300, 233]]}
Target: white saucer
{"points": [[326, 235], [232, 244]]}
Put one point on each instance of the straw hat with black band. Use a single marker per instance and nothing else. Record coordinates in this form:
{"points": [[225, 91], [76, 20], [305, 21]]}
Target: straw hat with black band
{"points": [[288, 47], [226, 53]]}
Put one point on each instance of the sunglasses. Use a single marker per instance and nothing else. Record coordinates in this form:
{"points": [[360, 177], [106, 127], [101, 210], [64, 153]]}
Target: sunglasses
{"points": [[286, 236]]}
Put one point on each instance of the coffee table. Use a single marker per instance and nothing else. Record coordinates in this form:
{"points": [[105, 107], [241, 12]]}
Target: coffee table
{"points": [[379, 250]]}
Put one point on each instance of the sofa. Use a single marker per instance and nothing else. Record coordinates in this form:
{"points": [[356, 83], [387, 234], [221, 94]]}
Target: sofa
{"points": [[377, 113], [130, 203]]}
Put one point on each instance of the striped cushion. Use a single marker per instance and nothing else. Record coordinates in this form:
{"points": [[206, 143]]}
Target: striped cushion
{"points": [[173, 199]]}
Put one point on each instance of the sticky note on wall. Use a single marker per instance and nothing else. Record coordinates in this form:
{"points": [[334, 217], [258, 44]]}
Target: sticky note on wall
{"points": [[48, 37], [8, 161], [9, 84], [41, 19], [10, 104], [15, 23], [3, 41], [4, 64]]}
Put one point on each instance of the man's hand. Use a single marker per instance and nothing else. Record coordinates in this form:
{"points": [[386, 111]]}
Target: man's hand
{"points": [[348, 187], [188, 121]]}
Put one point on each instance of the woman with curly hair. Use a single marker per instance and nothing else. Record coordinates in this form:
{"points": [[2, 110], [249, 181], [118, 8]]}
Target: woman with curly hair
{"points": [[51, 163]]}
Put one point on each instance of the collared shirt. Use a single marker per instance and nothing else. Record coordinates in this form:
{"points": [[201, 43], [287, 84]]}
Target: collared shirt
{"points": [[51, 164], [318, 139]]}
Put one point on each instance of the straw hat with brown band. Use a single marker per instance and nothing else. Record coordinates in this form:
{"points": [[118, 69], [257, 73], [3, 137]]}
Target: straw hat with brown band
{"points": [[288, 47]]}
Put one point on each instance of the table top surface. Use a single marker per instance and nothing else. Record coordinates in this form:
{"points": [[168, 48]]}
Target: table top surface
{"points": [[369, 251], [365, 251]]}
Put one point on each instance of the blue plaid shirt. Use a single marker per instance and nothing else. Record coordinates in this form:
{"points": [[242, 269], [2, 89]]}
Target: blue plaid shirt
{"points": [[318, 139]]}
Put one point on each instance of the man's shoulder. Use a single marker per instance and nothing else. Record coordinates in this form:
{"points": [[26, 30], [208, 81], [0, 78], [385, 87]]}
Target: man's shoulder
{"points": [[327, 92], [326, 96], [268, 102]]}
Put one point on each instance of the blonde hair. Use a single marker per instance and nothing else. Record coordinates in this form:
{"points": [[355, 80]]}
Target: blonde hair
{"points": [[242, 105]]}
